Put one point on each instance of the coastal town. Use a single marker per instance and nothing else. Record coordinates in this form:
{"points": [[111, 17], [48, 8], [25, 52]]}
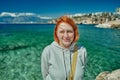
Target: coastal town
{"points": [[100, 19]]}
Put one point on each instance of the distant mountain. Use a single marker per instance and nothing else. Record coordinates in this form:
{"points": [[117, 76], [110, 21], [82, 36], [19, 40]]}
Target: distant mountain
{"points": [[7, 17]]}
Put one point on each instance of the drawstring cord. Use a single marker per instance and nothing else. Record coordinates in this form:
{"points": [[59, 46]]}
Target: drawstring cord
{"points": [[65, 65]]}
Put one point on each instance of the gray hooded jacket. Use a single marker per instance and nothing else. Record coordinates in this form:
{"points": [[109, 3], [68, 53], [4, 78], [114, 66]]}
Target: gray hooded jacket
{"points": [[56, 62]]}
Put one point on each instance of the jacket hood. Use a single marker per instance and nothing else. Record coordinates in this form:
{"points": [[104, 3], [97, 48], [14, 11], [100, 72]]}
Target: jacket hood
{"points": [[54, 43]]}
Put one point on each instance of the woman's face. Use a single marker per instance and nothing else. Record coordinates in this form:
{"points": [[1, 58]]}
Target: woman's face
{"points": [[65, 34]]}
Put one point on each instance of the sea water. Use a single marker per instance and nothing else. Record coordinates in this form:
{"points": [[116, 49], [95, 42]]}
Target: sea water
{"points": [[21, 46]]}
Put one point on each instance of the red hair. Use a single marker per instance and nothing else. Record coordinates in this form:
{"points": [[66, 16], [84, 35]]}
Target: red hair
{"points": [[69, 21]]}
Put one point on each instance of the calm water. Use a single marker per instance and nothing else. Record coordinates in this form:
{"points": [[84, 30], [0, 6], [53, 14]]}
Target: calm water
{"points": [[21, 47]]}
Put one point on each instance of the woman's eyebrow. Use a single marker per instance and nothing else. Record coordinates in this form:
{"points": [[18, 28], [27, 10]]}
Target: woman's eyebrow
{"points": [[62, 25]]}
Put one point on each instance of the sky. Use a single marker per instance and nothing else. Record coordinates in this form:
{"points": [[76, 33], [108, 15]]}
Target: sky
{"points": [[56, 8]]}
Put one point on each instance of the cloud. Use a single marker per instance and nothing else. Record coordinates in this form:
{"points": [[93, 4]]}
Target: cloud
{"points": [[44, 17], [8, 17], [26, 14], [7, 14], [3, 14]]}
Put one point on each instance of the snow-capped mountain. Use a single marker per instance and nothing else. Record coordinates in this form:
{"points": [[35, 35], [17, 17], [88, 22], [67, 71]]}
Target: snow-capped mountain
{"points": [[7, 17]]}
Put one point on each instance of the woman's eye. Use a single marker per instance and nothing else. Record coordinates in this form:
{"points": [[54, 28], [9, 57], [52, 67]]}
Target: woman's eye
{"points": [[62, 31], [70, 31]]}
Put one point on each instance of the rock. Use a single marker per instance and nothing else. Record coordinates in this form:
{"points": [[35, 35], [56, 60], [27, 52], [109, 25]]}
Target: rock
{"points": [[110, 24], [114, 75], [102, 75], [115, 26]]}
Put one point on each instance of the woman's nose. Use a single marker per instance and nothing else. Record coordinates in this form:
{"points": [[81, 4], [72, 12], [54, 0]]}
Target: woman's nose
{"points": [[65, 34]]}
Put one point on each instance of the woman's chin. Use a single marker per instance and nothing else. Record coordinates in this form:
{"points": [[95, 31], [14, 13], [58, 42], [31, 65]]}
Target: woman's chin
{"points": [[67, 44]]}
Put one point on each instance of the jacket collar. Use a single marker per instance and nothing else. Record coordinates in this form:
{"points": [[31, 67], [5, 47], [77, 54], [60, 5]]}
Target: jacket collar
{"points": [[71, 48]]}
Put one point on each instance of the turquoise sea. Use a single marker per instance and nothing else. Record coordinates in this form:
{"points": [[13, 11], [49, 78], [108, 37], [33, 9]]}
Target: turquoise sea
{"points": [[21, 46]]}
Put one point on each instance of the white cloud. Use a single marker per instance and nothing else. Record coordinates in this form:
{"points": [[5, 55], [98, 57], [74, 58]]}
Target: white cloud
{"points": [[41, 17], [22, 14], [7, 14], [26, 14]]}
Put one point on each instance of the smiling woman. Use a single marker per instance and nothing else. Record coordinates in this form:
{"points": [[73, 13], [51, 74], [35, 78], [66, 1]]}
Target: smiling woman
{"points": [[65, 35], [63, 59]]}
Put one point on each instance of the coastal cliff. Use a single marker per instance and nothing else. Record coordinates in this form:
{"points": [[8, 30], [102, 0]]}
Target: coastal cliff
{"points": [[115, 24], [110, 24]]}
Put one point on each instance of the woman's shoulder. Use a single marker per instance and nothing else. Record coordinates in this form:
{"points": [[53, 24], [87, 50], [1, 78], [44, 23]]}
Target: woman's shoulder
{"points": [[48, 47], [45, 51], [82, 50], [81, 47]]}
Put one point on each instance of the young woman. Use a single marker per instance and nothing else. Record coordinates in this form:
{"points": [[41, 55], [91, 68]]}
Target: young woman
{"points": [[57, 58]]}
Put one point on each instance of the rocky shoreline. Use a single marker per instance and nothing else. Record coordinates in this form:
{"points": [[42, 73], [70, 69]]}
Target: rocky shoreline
{"points": [[106, 75], [110, 24]]}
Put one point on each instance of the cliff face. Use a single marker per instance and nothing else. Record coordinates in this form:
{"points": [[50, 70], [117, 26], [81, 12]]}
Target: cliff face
{"points": [[114, 24], [110, 24], [114, 75]]}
